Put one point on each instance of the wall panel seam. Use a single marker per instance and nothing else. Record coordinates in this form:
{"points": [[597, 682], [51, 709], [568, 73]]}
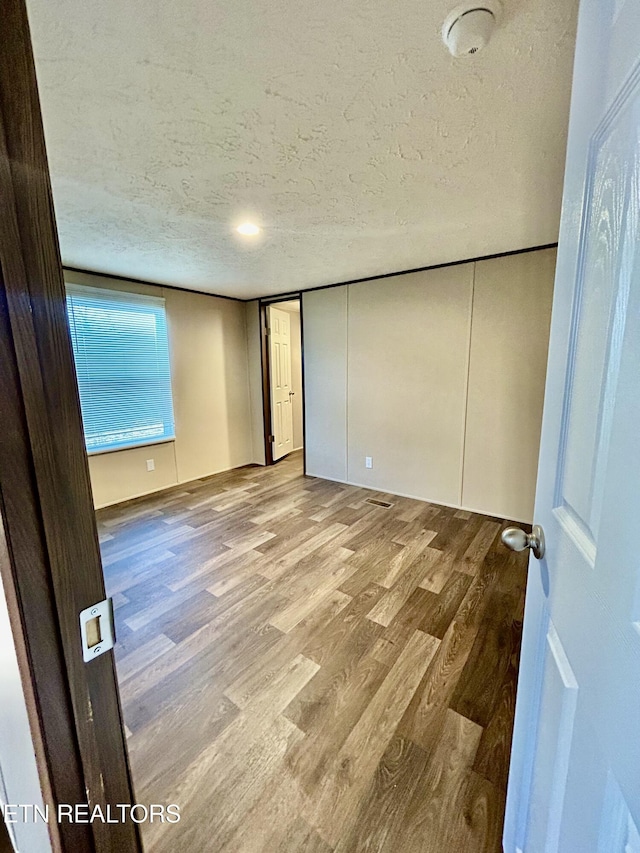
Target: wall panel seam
{"points": [[466, 388], [346, 383], [248, 378]]}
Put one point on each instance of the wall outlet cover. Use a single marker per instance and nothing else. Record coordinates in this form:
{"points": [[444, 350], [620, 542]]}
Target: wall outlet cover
{"points": [[151, 465], [368, 461]]}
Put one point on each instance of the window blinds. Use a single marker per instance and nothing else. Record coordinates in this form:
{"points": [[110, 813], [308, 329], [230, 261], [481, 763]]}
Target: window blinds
{"points": [[121, 352]]}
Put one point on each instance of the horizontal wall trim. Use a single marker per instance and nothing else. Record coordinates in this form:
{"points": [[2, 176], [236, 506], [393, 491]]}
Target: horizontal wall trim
{"points": [[136, 496], [273, 300], [139, 445], [125, 279], [367, 486], [278, 297], [371, 488], [433, 267]]}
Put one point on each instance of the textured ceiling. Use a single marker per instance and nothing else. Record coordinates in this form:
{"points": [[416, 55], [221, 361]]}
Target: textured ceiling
{"points": [[343, 128]]}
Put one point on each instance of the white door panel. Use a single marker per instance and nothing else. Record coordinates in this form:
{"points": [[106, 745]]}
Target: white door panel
{"points": [[280, 374], [574, 783], [551, 764]]}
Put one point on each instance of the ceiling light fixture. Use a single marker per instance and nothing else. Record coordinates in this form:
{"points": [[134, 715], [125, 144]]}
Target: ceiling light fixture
{"points": [[248, 229]]}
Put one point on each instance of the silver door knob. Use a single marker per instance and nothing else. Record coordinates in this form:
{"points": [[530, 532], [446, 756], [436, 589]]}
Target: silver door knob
{"points": [[517, 540]]}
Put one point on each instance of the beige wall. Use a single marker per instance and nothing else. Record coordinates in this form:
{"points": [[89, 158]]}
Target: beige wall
{"points": [[509, 341], [325, 382], [418, 371], [407, 364], [390, 364], [210, 383], [123, 474]]}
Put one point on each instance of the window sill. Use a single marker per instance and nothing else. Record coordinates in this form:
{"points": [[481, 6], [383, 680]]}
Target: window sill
{"points": [[130, 447]]}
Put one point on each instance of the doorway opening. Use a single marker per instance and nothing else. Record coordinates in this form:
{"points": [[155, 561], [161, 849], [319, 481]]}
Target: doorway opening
{"points": [[282, 376]]}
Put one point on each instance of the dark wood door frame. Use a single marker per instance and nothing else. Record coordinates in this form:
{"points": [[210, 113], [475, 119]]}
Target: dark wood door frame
{"points": [[266, 381], [263, 304], [52, 569]]}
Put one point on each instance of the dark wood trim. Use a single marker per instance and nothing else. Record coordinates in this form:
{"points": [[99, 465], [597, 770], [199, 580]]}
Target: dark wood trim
{"points": [[126, 279], [266, 383], [304, 392], [45, 494], [280, 297], [263, 304], [283, 297], [25, 577], [5, 842]]}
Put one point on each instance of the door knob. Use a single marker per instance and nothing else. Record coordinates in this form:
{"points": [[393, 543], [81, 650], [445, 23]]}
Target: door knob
{"points": [[517, 540]]}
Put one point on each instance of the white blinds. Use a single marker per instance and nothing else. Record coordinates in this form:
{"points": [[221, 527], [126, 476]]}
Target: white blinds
{"points": [[121, 352]]}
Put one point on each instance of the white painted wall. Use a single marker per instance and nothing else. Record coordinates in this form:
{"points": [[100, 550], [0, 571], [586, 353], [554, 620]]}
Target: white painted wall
{"points": [[439, 376]]}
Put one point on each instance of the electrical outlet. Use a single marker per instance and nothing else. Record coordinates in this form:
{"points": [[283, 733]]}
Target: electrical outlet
{"points": [[151, 465], [368, 461]]}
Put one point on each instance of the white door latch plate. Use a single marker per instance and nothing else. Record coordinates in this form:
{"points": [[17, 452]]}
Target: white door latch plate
{"points": [[97, 629]]}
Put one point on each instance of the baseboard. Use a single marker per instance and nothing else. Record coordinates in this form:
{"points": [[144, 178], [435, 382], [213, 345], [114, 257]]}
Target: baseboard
{"points": [[173, 485], [319, 477], [135, 496], [423, 499], [213, 473], [506, 516]]}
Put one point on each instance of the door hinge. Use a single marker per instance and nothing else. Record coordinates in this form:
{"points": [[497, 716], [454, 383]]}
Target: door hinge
{"points": [[97, 629], [267, 331], [271, 438]]}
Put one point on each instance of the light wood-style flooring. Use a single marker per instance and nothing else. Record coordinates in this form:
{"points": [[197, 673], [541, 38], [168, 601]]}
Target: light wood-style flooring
{"points": [[304, 672]]}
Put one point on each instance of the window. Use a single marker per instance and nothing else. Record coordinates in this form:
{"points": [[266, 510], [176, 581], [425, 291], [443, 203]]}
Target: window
{"points": [[121, 352]]}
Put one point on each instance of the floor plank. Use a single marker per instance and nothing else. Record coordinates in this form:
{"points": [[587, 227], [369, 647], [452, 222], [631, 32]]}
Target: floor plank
{"points": [[302, 671], [430, 820], [342, 788]]}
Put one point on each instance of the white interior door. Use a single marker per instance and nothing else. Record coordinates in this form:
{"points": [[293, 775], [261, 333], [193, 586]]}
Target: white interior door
{"points": [[280, 375], [574, 784]]}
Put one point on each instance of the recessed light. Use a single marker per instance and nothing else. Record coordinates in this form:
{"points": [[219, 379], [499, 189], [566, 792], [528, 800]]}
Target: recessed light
{"points": [[248, 229]]}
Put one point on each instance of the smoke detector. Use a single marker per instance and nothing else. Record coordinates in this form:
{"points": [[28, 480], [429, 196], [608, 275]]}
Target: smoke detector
{"points": [[470, 26]]}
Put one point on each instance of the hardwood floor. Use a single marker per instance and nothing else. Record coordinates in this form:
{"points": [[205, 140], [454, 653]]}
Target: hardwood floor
{"points": [[304, 672]]}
